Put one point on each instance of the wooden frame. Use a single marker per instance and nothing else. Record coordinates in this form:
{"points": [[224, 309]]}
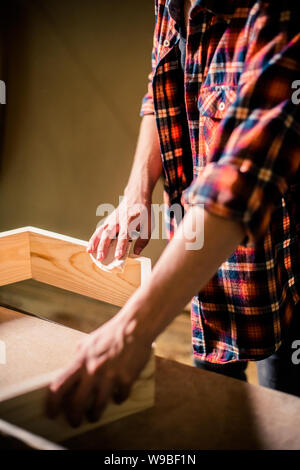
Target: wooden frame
{"points": [[56, 260], [61, 261]]}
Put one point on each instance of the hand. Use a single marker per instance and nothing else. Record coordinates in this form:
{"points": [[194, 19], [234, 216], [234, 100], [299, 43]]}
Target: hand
{"points": [[133, 213], [106, 365]]}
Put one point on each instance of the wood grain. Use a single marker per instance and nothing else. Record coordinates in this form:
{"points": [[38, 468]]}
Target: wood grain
{"points": [[15, 262], [63, 262]]}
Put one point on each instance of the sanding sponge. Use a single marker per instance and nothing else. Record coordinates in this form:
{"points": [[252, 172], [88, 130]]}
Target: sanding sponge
{"points": [[110, 263]]}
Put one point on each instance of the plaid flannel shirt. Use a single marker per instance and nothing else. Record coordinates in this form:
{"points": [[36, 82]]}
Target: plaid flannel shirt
{"points": [[236, 150]]}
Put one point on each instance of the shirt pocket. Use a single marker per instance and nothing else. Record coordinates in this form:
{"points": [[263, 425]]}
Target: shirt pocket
{"points": [[214, 101], [213, 104]]}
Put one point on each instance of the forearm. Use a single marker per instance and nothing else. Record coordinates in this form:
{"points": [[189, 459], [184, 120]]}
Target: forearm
{"points": [[110, 359], [147, 165], [180, 273], [117, 352]]}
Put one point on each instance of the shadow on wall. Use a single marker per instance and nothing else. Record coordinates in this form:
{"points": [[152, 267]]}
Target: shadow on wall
{"points": [[76, 73]]}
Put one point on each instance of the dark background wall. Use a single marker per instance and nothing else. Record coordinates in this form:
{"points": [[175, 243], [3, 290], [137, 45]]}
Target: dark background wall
{"points": [[75, 72]]}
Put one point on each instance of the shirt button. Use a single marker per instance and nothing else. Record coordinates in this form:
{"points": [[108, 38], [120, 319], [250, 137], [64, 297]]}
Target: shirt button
{"points": [[166, 43], [221, 106]]}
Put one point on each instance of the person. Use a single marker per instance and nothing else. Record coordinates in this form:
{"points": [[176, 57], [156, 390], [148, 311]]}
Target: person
{"points": [[220, 119]]}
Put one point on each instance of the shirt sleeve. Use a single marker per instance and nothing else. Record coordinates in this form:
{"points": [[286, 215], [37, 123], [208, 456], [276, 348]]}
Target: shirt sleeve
{"points": [[147, 102], [256, 152]]}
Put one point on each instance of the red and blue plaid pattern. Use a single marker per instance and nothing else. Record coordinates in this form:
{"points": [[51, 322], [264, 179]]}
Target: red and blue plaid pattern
{"points": [[241, 160]]}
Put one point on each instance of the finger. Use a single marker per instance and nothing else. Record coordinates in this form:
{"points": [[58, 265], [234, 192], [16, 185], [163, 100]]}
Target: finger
{"points": [[59, 388], [105, 240], [94, 240], [122, 245], [79, 346], [101, 398], [140, 244], [79, 400]]}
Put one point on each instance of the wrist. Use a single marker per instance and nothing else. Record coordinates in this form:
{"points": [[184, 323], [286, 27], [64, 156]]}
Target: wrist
{"points": [[136, 320], [136, 191]]}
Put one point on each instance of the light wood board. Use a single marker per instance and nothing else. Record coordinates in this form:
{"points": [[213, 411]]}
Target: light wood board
{"points": [[51, 258]]}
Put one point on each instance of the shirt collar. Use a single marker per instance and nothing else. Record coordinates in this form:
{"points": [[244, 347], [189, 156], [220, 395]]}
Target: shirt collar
{"points": [[218, 7]]}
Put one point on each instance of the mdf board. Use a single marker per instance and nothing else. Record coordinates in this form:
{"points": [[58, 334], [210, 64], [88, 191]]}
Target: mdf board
{"points": [[199, 409], [37, 349]]}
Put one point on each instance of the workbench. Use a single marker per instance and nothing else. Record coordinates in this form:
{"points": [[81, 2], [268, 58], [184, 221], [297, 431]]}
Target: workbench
{"points": [[198, 409], [191, 408]]}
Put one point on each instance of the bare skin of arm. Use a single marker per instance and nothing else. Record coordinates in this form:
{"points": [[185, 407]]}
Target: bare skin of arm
{"points": [[111, 358], [146, 170]]}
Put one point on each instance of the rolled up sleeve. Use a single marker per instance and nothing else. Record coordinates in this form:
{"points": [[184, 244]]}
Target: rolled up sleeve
{"points": [[147, 106], [256, 152], [147, 102]]}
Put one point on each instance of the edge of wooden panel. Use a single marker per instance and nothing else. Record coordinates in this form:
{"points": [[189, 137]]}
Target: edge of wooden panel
{"points": [[78, 274], [15, 257], [27, 438]]}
